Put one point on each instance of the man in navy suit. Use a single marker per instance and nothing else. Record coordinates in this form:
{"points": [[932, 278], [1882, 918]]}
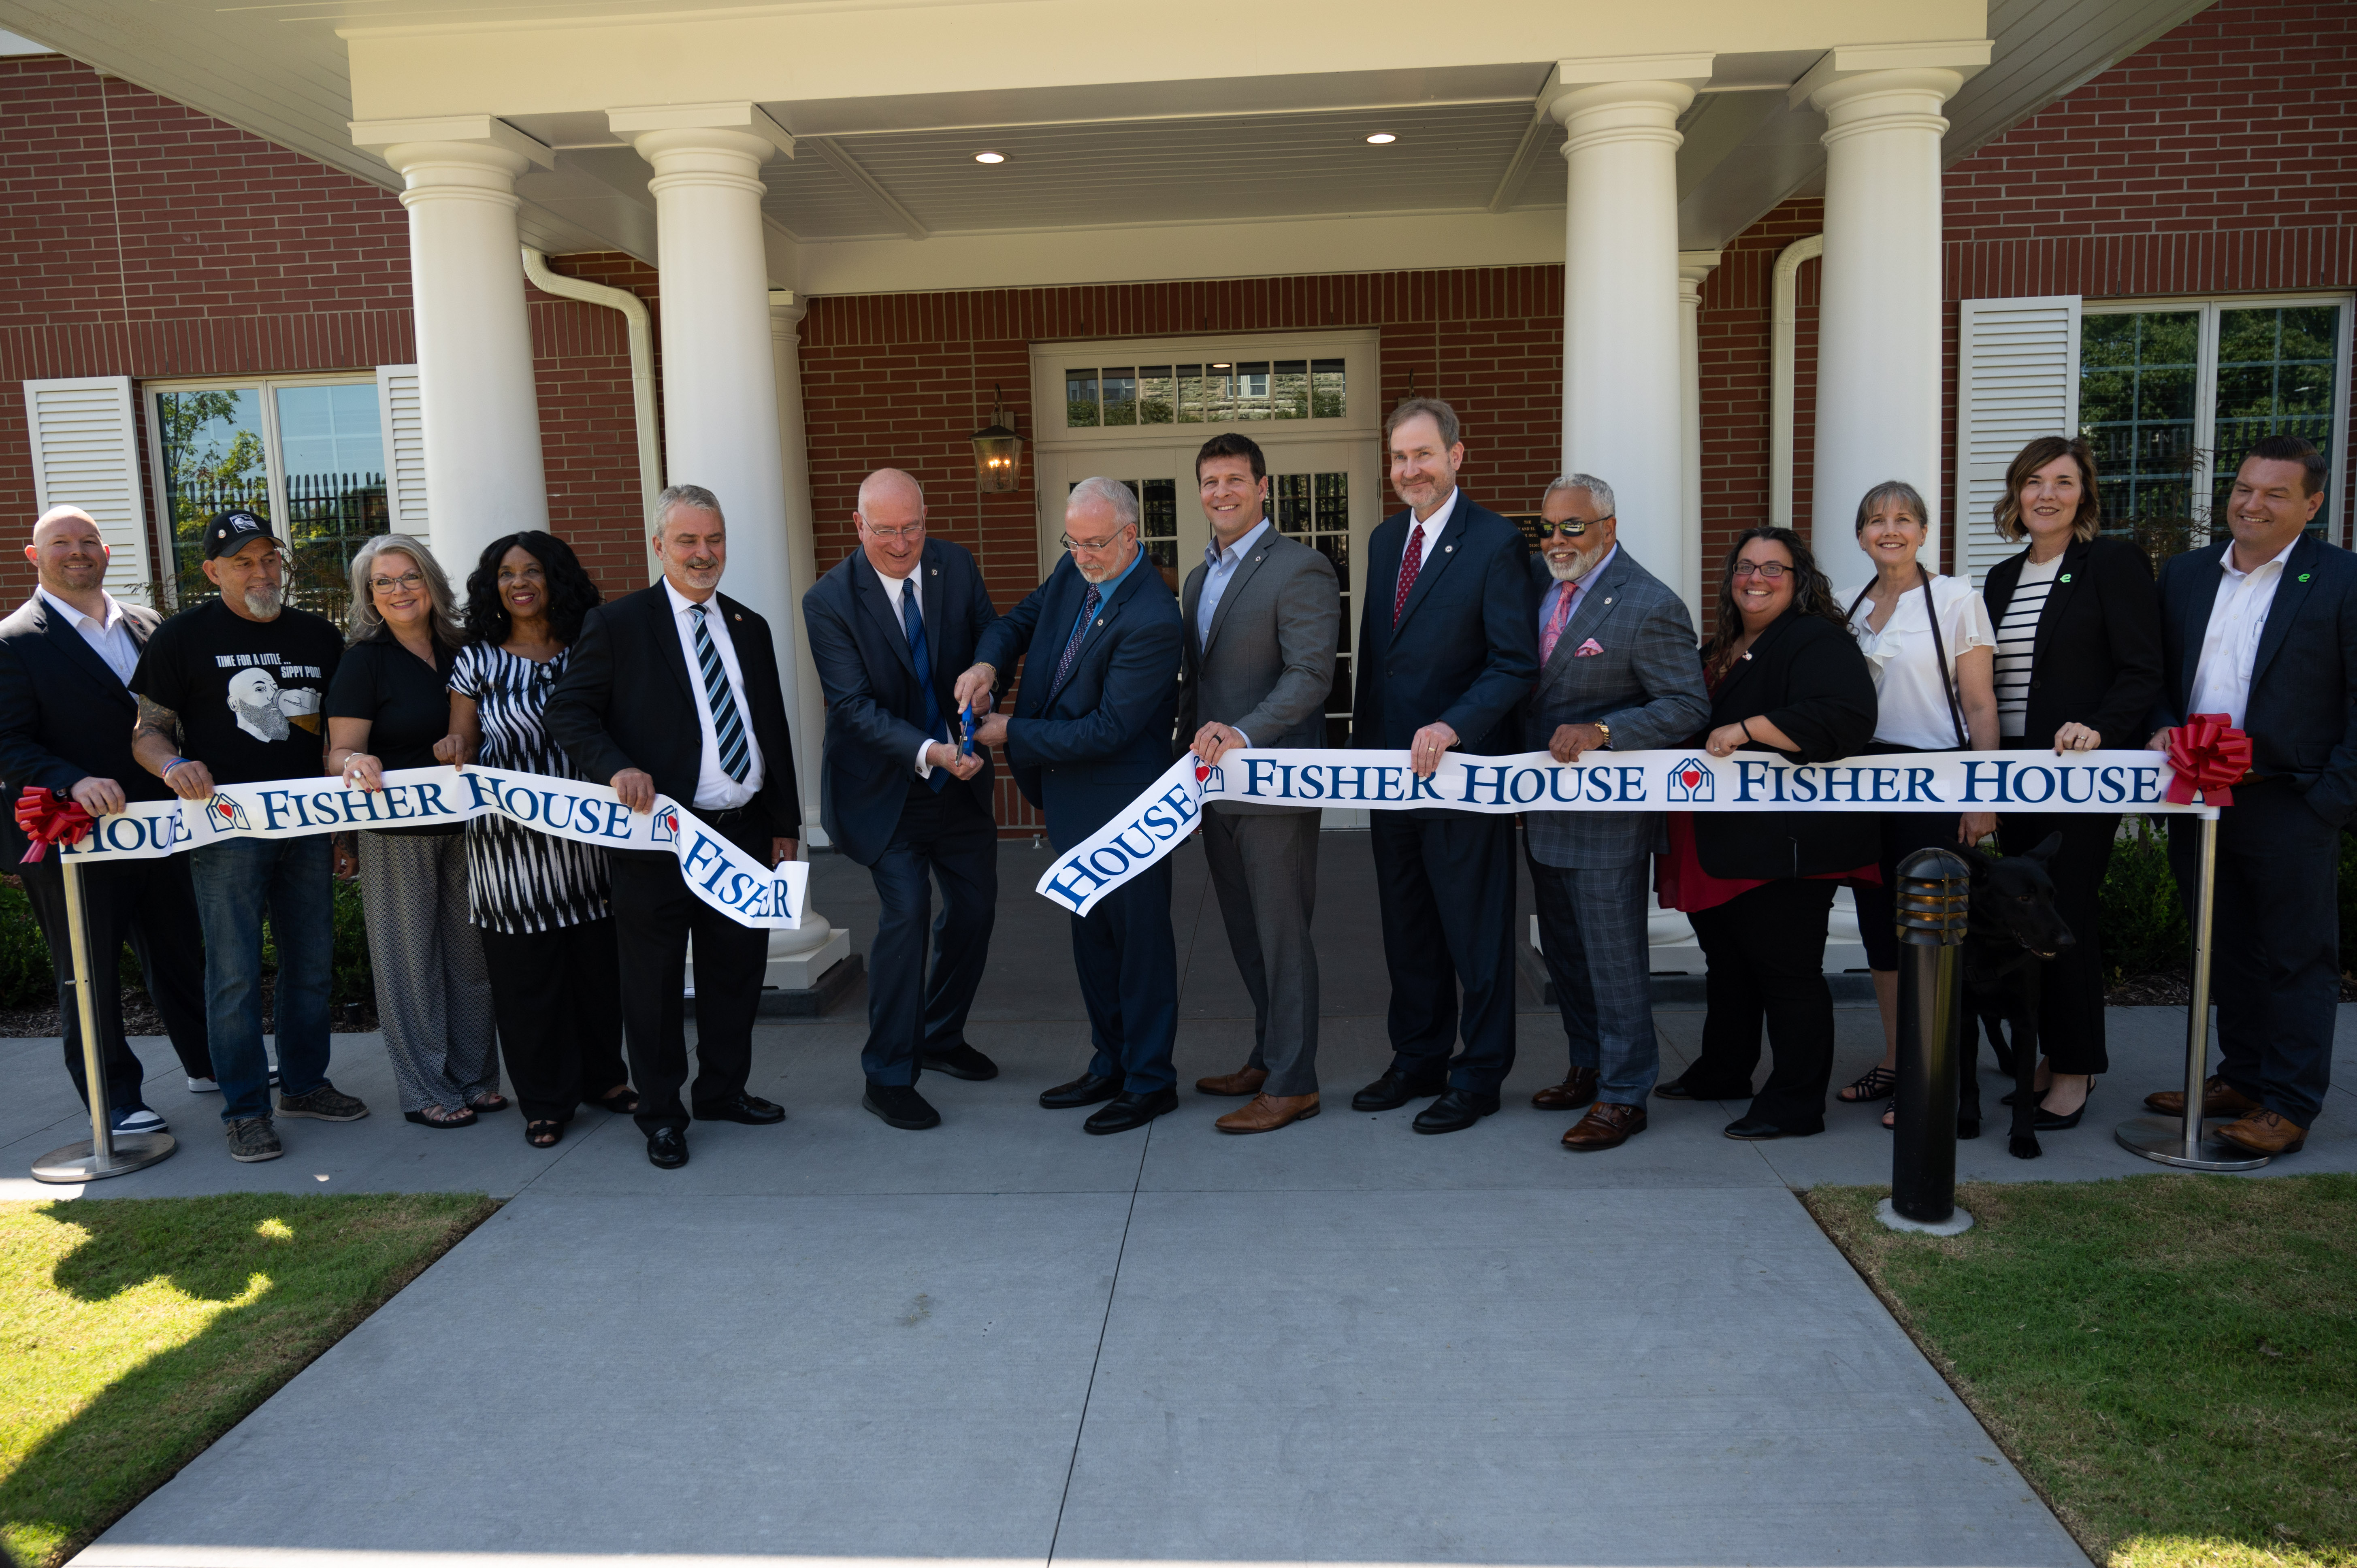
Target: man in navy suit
{"points": [[889, 627], [1447, 649], [65, 724], [1091, 728], [2264, 630]]}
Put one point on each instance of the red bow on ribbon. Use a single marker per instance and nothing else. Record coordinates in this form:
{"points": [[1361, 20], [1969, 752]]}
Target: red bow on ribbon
{"points": [[2207, 754], [47, 820]]}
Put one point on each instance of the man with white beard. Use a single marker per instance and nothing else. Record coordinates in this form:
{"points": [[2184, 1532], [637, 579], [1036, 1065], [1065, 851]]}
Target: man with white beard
{"points": [[229, 693], [1618, 671]]}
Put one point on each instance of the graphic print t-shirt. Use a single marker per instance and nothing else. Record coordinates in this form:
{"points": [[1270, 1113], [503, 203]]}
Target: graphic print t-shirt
{"points": [[250, 693]]}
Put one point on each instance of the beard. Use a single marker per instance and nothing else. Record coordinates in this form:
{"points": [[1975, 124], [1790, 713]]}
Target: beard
{"points": [[263, 719], [1581, 563], [263, 600]]}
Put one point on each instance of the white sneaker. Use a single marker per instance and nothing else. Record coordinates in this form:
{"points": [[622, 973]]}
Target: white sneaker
{"points": [[204, 1085], [140, 1120]]}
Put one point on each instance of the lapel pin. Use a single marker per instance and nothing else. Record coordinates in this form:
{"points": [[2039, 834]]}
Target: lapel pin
{"points": [[2303, 576], [1449, 550], [1607, 599], [2066, 576]]}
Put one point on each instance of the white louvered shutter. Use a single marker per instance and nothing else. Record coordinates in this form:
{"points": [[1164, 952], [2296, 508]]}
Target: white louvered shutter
{"points": [[86, 454], [2016, 379], [405, 451]]}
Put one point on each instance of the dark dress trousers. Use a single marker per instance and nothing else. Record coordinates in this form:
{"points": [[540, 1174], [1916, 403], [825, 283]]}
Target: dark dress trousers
{"points": [[1082, 751], [2094, 659], [2276, 971], [1464, 652], [905, 829], [1764, 950], [627, 698], [65, 717]]}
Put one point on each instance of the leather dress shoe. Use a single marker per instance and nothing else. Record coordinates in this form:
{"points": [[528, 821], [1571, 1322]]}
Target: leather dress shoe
{"points": [[2264, 1133], [1267, 1113], [1759, 1130], [666, 1148], [1607, 1125], [1396, 1089], [1129, 1111], [900, 1106], [1455, 1110], [1679, 1089], [1573, 1092], [751, 1108], [1086, 1089], [961, 1060], [2220, 1100], [1234, 1085]]}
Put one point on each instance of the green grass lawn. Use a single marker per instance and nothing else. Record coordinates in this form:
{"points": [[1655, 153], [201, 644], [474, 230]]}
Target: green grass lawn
{"points": [[135, 1331], [2170, 1359]]}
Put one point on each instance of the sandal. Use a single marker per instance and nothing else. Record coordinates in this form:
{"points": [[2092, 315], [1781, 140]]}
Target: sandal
{"points": [[542, 1135], [489, 1103], [621, 1100], [1876, 1084], [435, 1116]]}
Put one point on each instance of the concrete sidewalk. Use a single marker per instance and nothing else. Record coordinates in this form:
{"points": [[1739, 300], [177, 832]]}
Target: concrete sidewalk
{"points": [[1003, 1341]]}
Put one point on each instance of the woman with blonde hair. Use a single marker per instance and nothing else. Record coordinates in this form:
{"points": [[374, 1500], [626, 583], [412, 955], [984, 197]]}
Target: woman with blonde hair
{"points": [[388, 708]]}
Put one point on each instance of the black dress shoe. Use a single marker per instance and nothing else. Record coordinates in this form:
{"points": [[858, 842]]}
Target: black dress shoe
{"points": [[900, 1106], [750, 1108], [1396, 1089], [1128, 1111], [1455, 1110], [1679, 1089], [961, 1060], [1759, 1130], [666, 1148], [1086, 1089]]}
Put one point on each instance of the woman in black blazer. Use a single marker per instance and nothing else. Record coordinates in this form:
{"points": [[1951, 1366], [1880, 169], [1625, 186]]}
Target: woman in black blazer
{"points": [[1785, 676], [2078, 667]]}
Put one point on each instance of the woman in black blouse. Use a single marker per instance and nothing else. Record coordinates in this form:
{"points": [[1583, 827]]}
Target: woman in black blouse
{"points": [[388, 708], [1785, 676], [541, 902], [2078, 667]]}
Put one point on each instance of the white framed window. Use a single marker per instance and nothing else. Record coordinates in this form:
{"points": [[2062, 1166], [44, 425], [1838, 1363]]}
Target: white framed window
{"points": [[310, 453]]}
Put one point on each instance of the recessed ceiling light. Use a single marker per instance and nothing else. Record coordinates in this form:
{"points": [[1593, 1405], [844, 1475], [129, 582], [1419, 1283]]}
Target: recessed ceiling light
{"points": [[990, 157], [1382, 138], [1221, 366]]}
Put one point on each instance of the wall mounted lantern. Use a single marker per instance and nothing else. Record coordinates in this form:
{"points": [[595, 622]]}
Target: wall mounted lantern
{"points": [[998, 451]]}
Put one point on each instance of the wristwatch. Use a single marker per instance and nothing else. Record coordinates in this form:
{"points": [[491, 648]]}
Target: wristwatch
{"points": [[1605, 731]]}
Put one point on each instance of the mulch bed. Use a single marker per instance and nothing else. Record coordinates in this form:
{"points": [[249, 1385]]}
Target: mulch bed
{"points": [[140, 1017]]}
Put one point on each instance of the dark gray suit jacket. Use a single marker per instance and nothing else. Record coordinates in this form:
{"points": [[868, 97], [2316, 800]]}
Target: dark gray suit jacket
{"points": [[1268, 664], [1645, 680]]}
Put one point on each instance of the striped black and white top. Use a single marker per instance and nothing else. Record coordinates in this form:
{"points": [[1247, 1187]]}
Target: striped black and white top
{"points": [[517, 880], [2017, 637]]}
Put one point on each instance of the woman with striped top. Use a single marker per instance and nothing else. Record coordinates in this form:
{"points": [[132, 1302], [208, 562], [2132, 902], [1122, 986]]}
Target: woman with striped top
{"points": [[541, 901], [2078, 667]]}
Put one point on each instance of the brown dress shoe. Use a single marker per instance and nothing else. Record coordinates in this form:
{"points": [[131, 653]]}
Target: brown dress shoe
{"points": [[2220, 1100], [1267, 1113], [1606, 1126], [1570, 1094], [2264, 1133], [1234, 1085]]}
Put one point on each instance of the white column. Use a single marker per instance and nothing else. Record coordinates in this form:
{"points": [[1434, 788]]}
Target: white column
{"points": [[1694, 266], [808, 705], [1621, 381], [1878, 345], [476, 389]]}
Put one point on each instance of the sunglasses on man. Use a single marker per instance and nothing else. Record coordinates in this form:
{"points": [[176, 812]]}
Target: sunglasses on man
{"points": [[1570, 527]]}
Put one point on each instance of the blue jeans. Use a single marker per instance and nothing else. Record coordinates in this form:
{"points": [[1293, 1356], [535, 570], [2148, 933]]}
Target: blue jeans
{"points": [[236, 882]]}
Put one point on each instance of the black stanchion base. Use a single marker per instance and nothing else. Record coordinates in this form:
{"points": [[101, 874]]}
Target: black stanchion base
{"points": [[2162, 1139], [78, 1163]]}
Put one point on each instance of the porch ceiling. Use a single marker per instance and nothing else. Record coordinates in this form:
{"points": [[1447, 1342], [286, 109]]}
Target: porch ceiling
{"points": [[1154, 152]]}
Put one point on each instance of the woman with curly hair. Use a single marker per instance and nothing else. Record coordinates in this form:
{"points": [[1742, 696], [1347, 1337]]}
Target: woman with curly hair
{"points": [[542, 902], [1785, 676]]}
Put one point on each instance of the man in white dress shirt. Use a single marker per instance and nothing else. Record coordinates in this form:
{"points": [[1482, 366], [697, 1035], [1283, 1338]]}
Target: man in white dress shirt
{"points": [[2263, 628]]}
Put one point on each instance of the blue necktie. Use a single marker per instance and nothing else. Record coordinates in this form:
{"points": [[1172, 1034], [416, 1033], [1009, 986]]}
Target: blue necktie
{"points": [[914, 625], [727, 723], [1079, 631]]}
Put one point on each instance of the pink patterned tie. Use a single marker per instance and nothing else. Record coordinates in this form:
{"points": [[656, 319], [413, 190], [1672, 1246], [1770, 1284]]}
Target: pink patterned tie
{"points": [[1557, 621], [1408, 565]]}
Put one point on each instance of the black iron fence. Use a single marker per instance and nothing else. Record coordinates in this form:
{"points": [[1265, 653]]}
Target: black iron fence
{"points": [[329, 516]]}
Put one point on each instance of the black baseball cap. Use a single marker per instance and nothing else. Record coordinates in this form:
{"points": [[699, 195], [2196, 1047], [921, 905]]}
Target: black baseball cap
{"points": [[227, 532]]}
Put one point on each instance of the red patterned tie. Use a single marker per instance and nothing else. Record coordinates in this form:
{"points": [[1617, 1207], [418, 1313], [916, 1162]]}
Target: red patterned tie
{"points": [[1557, 621], [1409, 562]]}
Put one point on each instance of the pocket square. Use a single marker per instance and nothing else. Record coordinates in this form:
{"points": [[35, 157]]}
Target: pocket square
{"points": [[1587, 649]]}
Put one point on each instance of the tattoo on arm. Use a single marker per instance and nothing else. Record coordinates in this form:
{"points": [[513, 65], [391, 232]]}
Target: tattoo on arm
{"points": [[161, 722]]}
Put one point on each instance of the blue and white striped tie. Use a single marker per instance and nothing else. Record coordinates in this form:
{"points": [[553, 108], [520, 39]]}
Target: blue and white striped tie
{"points": [[727, 723]]}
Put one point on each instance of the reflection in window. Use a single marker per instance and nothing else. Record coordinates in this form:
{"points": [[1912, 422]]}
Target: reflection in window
{"points": [[1120, 395], [1157, 395], [1080, 398], [2274, 377], [2137, 379], [1219, 392], [331, 443], [1315, 510]]}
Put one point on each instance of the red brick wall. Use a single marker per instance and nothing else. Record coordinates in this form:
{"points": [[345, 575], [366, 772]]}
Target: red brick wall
{"points": [[588, 423], [1733, 331]]}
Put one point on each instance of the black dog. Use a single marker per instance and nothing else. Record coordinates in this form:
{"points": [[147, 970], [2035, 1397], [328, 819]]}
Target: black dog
{"points": [[2014, 931]]}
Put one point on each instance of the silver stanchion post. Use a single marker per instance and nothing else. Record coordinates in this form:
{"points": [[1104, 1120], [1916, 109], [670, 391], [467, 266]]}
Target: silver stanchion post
{"points": [[2179, 1142], [1935, 909], [108, 1152]]}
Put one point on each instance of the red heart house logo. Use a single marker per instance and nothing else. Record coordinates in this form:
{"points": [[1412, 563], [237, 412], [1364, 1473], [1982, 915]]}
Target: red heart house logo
{"points": [[1691, 777], [1202, 773]]}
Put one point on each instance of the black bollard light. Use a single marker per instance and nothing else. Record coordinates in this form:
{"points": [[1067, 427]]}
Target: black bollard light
{"points": [[1934, 908]]}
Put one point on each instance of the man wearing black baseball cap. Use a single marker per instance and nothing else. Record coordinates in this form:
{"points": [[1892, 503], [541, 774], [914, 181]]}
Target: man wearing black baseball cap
{"points": [[229, 693]]}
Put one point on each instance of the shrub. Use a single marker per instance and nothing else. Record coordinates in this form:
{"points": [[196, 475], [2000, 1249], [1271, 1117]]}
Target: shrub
{"points": [[2143, 916]]}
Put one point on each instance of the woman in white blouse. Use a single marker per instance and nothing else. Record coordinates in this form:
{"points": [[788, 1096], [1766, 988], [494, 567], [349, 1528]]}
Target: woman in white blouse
{"points": [[1931, 647]]}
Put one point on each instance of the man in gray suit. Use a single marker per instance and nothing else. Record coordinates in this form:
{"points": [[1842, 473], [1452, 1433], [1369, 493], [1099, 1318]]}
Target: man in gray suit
{"points": [[1262, 616], [1618, 671]]}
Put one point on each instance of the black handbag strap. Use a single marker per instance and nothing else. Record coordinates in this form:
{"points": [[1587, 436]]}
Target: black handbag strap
{"points": [[1939, 652]]}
